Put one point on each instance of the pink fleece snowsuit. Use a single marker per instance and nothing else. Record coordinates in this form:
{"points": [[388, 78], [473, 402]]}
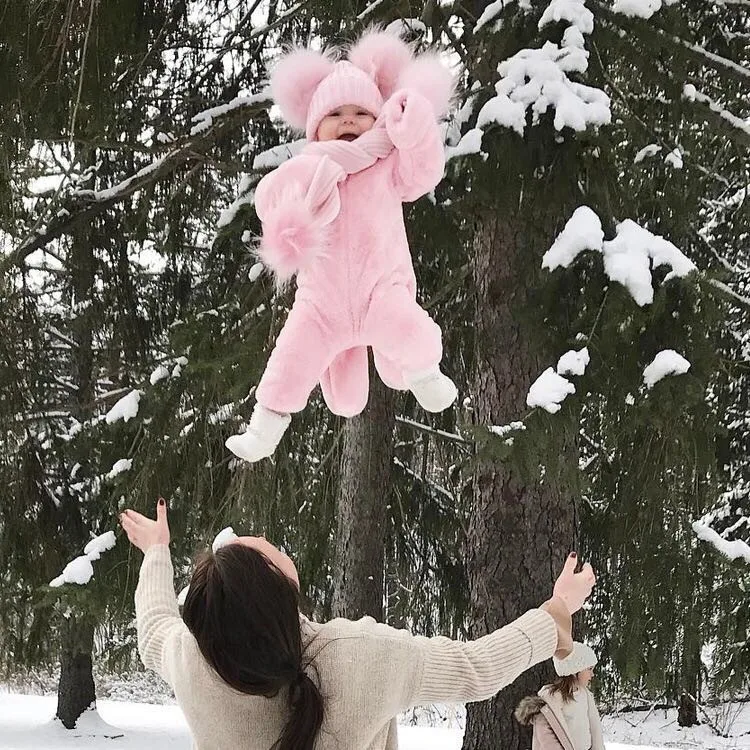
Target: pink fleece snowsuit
{"points": [[355, 281]]}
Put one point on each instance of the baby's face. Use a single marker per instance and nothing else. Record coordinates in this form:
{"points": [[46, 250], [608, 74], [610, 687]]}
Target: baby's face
{"points": [[345, 123]]}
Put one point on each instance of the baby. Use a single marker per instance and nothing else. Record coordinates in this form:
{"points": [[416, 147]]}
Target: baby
{"points": [[333, 216]]}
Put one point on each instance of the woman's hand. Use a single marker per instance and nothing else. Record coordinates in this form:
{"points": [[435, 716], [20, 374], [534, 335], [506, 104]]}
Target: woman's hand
{"points": [[574, 588], [143, 532], [570, 592]]}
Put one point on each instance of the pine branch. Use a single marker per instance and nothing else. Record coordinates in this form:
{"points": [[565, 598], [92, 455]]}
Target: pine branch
{"points": [[722, 287], [737, 129], [432, 431], [85, 205], [651, 33]]}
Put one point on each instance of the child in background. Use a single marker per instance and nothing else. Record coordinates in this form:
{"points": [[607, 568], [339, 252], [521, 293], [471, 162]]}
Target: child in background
{"points": [[563, 714]]}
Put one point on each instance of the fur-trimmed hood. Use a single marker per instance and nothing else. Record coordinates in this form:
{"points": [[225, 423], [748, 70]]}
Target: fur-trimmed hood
{"points": [[528, 709]]}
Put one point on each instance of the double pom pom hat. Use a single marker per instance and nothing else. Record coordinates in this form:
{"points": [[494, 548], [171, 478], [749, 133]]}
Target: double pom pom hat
{"points": [[308, 85]]}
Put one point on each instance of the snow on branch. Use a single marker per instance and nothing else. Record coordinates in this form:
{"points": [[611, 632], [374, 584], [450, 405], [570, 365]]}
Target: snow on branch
{"points": [[494, 9], [700, 54], [731, 549], [81, 570], [548, 391], [537, 79], [82, 205], [640, 8], [739, 127], [628, 258], [126, 408], [666, 362]]}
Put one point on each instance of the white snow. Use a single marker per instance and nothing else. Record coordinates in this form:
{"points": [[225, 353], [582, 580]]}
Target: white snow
{"points": [[503, 429], [81, 570], [124, 464], [224, 537], [182, 596], [537, 79], [674, 158], [158, 374], [126, 408], [691, 94], [732, 549], [255, 271], [205, 119], [666, 362], [640, 8], [121, 187], [406, 25], [491, 12], [548, 391], [583, 231], [26, 723], [470, 143], [273, 157], [245, 196], [78, 571], [647, 151], [573, 362], [628, 257], [572, 11], [99, 544]]}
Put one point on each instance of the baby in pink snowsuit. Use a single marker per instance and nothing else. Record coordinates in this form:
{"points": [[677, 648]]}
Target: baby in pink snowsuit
{"points": [[333, 216]]}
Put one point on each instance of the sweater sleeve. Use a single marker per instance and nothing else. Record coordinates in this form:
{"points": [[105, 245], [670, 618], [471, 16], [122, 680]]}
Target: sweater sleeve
{"points": [[160, 627], [461, 672]]}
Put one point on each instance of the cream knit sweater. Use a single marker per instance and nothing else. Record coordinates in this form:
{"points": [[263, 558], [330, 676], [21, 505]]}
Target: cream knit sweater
{"points": [[368, 672]]}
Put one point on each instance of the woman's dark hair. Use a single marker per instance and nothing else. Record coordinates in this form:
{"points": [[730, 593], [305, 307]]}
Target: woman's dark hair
{"points": [[566, 686], [244, 614]]}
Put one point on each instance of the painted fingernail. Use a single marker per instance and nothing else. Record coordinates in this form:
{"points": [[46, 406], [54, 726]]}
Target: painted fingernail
{"points": [[161, 501], [574, 554]]}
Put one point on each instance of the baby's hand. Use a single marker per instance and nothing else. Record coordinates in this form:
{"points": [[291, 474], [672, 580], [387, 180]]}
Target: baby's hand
{"points": [[407, 116]]}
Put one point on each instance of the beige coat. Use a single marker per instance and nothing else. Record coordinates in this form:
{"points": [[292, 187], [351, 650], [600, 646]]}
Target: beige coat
{"points": [[544, 713]]}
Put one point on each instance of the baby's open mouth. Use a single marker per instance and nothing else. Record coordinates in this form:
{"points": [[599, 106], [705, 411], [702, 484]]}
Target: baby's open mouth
{"points": [[347, 137]]}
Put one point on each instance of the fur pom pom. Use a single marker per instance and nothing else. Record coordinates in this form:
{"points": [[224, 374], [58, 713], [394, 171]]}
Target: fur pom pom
{"points": [[291, 236], [294, 80], [383, 57], [427, 75]]}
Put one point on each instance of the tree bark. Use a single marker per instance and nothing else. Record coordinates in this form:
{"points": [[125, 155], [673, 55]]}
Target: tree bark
{"points": [[687, 712], [75, 692], [521, 527], [363, 488]]}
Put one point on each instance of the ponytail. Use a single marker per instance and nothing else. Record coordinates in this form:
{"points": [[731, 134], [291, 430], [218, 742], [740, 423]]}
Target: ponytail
{"points": [[306, 704], [244, 615]]}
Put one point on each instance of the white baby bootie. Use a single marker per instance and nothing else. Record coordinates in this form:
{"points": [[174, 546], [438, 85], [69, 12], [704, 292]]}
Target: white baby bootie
{"points": [[262, 435], [433, 389]]}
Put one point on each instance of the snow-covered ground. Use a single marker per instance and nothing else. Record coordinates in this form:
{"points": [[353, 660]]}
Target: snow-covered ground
{"points": [[26, 723]]}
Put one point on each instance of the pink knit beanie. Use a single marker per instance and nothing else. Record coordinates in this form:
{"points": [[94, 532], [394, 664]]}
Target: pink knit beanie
{"points": [[345, 84], [307, 85]]}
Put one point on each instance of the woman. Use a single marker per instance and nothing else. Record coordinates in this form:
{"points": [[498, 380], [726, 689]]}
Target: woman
{"points": [[250, 672], [563, 714]]}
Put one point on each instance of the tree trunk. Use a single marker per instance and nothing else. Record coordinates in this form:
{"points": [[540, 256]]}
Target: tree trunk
{"points": [[687, 713], [364, 482], [76, 691], [521, 527]]}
